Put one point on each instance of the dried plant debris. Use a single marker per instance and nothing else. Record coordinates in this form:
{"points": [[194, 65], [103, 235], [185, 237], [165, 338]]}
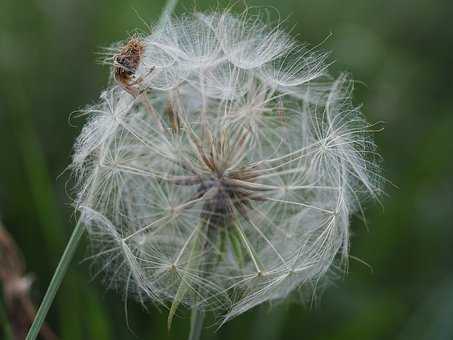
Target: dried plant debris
{"points": [[16, 285]]}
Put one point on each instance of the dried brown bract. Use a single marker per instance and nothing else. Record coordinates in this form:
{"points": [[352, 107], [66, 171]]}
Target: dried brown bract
{"points": [[16, 289], [126, 61]]}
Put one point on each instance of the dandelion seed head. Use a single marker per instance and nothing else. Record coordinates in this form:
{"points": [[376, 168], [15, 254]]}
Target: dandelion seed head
{"points": [[221, 167]]}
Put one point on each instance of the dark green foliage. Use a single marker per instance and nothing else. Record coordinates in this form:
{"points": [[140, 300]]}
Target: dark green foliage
{"points": [[401, 51]]}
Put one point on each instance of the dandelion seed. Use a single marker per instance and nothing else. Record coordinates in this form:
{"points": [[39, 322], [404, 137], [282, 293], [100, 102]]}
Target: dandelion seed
{"points": [[222, 166]]}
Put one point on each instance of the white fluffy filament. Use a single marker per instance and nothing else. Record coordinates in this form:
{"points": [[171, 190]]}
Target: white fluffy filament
{"points": [[223, 173]]}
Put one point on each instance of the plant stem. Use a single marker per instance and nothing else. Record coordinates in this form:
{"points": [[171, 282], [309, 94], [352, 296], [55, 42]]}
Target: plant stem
{"points": [[55, 283], [167, 12], [196, 324]]}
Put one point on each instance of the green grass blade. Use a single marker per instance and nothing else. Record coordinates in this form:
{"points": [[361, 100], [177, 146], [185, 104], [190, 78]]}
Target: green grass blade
{"points": [[57, 278], [196, 324], [47, 209]]}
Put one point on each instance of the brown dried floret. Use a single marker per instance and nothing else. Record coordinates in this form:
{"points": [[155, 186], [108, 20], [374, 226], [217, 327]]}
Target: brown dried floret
{"points": [[126, 61]]}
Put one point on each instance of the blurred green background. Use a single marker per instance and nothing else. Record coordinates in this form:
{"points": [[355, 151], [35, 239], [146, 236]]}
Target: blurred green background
{"points": [[402, 53]]}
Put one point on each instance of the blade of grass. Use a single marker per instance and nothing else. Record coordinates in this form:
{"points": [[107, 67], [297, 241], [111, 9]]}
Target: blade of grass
{"points": [[167, 12], [196, 324], [46, 206], [57, 278]]}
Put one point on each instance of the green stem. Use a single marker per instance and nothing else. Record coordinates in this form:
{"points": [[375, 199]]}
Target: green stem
{"points": [[55, 283], [196, 324], [167, 12]]}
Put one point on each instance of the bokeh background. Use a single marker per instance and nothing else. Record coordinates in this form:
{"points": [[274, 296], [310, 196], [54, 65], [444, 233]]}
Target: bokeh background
{"points": [[401, 52]]}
